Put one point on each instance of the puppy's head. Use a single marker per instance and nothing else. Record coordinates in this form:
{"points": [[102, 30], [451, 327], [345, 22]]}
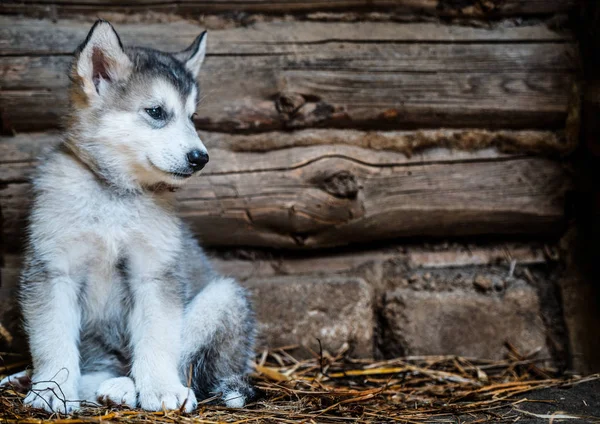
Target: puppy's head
{"points": [[132, 109]]}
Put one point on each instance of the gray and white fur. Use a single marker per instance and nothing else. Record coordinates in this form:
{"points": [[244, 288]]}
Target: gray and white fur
{"points": [[120, 303]]}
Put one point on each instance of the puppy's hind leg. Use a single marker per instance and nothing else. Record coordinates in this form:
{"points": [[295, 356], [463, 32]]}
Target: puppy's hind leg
{"points": [[107, 388], [103, 379], [89, 383], [218, 339]]}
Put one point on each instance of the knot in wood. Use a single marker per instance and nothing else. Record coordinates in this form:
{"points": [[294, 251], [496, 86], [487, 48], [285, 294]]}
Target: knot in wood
{"points": [[289, 103], [342, 184]]}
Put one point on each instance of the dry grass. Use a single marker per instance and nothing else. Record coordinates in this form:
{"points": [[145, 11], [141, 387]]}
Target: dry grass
{"points": [[336, 389]]}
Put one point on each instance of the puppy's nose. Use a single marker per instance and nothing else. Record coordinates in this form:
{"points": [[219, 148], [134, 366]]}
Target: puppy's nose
{"points": [[197, 159]]}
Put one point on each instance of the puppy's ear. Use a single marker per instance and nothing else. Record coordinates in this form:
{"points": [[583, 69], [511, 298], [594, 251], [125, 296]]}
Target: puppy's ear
{"points": [[193, 56], [100, 60]]}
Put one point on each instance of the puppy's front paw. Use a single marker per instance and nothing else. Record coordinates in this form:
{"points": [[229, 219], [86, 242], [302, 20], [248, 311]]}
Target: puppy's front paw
{"points": [[118, 390], [53, 397], [160, 397]]}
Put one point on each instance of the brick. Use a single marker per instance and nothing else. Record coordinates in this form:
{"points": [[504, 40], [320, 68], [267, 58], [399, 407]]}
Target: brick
{"points": [[298, 310], [462, 322], [12, 338]]}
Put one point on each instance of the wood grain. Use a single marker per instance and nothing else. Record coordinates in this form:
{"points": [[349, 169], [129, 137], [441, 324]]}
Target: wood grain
{"points": [[400, 145], [339, 199], [469, 8], [327, 195], [36, 37], [369, 77]]}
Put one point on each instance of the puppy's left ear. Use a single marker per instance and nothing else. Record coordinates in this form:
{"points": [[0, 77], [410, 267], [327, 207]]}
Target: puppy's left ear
{"points": [[193, 56]]}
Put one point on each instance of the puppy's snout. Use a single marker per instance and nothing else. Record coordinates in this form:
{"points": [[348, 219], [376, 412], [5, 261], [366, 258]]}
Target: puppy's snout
{"points": [[197, 159]]}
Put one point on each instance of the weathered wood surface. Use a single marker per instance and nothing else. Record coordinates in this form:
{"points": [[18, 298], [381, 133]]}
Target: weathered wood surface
{"points": [[469, 8], [281, 75], [244, 264], [551, 143], [249, 264], [327, 195], [26, 36]]}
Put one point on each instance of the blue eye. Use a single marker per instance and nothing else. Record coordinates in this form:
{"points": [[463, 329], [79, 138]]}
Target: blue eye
{"points": [[156, 112]]}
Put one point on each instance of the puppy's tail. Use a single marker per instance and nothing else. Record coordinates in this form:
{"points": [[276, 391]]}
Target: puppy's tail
{"points": [[19, 382], [235, 391]]}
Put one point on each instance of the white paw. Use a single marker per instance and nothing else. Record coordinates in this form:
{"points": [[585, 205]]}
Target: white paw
{"points": [[118, 390], [234, 399], [161, 397], [53, 397]]}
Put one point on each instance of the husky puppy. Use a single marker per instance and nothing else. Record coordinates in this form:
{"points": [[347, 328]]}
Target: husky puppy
{"points": [[120, 303]]}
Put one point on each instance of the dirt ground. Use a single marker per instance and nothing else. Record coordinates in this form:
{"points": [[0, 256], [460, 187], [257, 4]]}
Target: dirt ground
{"points": [[545, 405], [334, 389]]}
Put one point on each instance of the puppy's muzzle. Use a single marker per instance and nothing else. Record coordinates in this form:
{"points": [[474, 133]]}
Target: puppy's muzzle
{"points": [[197, 159]]}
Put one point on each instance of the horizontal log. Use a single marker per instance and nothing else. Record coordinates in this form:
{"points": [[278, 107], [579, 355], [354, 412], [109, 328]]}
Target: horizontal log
{"points": [[327, 195], [249, 264], [311, 206], [18, 153], [279, 76], [244, 264], [44, 37], [487, 9]]}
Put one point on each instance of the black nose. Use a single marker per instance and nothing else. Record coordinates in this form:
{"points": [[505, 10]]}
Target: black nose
{"points": [[197, 159]]}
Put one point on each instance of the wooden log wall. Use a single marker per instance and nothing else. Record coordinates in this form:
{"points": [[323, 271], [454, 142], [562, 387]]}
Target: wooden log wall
{"points": [[390, 87], [333, 123]]}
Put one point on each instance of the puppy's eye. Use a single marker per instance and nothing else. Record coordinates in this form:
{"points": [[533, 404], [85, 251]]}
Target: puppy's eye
{"points": [[156, 112]]}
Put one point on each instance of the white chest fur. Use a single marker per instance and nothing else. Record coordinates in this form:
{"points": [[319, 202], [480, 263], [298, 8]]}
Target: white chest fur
{"points": [[95, 237], [131, 240]]}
